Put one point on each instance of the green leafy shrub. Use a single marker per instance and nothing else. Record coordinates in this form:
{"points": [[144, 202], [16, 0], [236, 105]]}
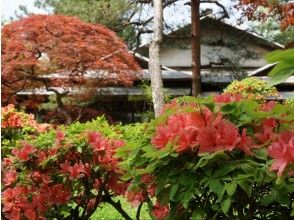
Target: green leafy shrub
{"points": [[229, 159], [218, 157], [67, 173], [252, 88]]}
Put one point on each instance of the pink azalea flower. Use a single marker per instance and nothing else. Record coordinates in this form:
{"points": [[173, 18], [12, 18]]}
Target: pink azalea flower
{"points": [[283, 152]]}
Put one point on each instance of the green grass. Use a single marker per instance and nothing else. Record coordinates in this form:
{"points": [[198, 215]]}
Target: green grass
{"points": [[107, 212]]}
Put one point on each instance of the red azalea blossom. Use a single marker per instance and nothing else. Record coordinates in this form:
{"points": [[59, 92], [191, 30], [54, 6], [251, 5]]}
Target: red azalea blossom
{"points": [[98, 142], [59, 136], [13, 120], [222, 136], [6, 162], [10, 177], [161, 138], [135, 197], [187, 130], [282, 151], [75, 171], [58, 194], [118, 187], [14, 214], [13, 200], [30, 214], [97, 183], [227, 97], [268, 106], [41, 156], [267, 130], [104, 150], [91, 204], [169, 105], [24, 152], [181, 129], [159, 211], [246, 143]]}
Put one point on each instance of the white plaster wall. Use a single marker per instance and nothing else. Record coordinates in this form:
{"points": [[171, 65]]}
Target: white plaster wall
{"points": [[175, 57]]}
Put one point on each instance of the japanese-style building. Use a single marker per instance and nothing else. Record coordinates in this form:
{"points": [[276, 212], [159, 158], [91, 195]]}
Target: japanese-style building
{"points": [[227, 53]]}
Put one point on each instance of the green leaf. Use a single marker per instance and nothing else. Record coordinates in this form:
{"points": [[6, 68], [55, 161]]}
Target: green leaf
{"points": [[205, 158], [261, 154], [223, 171], [229, 108], [126, 177], [246, 187], [225, 206], [79, 149], [283, 198], [278, 55], [173, 191], [186, 198], [285, 66], [215, 186], [198, 214], [290, 188], [279, 75], [148, 148], [231, 188], [268, 199]]}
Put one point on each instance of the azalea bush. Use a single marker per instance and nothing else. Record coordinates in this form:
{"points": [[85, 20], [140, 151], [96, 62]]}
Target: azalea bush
{"points": [[215, 158], [222, 157], [65, 173], [252, 87], [17, 126]]}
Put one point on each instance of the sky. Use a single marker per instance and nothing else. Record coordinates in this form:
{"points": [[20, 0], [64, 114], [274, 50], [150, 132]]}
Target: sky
{"points": [[8, 7], [175, 14]]}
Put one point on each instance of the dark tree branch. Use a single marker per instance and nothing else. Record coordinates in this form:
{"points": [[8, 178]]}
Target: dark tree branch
{"points": [[225, 12], [99, 196], [139, 211], [117, 206], [59, 96]]}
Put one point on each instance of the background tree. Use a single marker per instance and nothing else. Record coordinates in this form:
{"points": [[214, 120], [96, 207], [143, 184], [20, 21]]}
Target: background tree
{"points": [[154, 58], [130, 19], [265, 9], [270, 30], [54, 51], [114, 14]]}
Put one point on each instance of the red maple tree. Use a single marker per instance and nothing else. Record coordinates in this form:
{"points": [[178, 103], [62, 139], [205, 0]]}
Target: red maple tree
{"points": [[54, 51], [284, 10]]}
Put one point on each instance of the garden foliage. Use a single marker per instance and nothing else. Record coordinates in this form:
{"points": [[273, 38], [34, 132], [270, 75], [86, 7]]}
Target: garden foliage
{"points": [[225, 158], [62, 55], [64, 173], [252, 87], [220, 157], [17, 126]]}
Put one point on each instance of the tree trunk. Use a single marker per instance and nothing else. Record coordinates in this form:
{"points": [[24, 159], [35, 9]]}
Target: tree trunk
{"points": [[154, 59], [195, 44]]}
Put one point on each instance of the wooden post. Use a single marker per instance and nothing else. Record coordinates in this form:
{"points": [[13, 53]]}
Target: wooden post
{"points": [[195, 47]]}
